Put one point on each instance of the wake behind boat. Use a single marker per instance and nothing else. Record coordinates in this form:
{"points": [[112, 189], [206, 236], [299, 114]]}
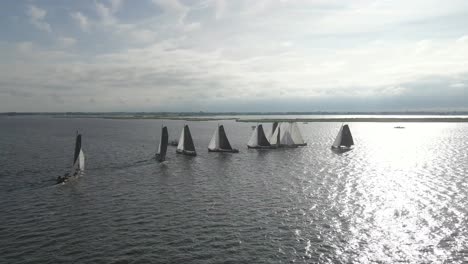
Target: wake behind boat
{"points": [[219, 142], [162, 149], [258, 139], [78, 162], [186, 145], [344, 140]]}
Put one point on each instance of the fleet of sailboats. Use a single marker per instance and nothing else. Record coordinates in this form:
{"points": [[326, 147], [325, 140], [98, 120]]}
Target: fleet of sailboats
{"points": [[219, 141], [344, 140], [283, 135]]}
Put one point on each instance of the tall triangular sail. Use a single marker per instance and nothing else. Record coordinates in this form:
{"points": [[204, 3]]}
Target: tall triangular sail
{"points": [[262, 140], [78, 158], [162, 150], [273, 128], [186, 145], [188, 142], [223, 140], [282, 136], [214, 142], [296, 134], [258, 138], [344, 137], [347, 138]]}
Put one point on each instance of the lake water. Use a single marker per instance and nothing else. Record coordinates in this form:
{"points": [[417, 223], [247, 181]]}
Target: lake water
{"points": [[399, 196]]}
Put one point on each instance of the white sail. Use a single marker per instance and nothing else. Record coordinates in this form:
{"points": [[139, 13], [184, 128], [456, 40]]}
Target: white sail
{"points": [[296, 134], [181, 140], [159, 147], [274, 135], [81, 160], [337, 141], [214, 143], [79, 165], [253, 142], [286, 139]]}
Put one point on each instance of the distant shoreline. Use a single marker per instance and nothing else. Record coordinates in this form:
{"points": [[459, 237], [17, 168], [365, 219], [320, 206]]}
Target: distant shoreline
{"points": [[260, 117], [311, 120]]}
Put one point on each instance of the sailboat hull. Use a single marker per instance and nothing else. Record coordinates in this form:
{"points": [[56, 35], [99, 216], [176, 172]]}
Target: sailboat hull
{"points": [[341, 149], [261, 147], [224, 150], [300, 145], [186, 152]]}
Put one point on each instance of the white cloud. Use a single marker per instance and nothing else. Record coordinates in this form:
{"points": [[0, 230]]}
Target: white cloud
{"points": [[66, 41], [81, 20], [37, 18]]}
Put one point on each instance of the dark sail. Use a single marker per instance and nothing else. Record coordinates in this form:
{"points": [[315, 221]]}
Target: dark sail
{"points": [[346, 138], [188, 142], [77, 148], [163, 144], [262, 140], [223, 140], [278, 137]]}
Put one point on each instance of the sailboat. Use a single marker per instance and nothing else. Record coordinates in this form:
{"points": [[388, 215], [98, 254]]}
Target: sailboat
{"points": [[186, 145], [162, 149], [258, 139], [78, 162], [282, 138], [344, 140], [296, 134], [219, 142]]}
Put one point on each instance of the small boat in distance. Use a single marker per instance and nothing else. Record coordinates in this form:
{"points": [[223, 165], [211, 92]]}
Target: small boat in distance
{"points": [[399, 127], [258, 139], [78, 162], [186, 145], [219, 142], [344, 140], [174, 143], [162, 149]]}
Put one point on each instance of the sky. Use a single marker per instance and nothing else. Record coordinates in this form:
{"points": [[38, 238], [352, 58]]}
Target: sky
{"points": [[239, 55]]}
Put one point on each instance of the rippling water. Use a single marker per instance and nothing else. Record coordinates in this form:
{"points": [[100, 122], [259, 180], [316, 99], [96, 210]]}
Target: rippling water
{"points": [[399, 196]]}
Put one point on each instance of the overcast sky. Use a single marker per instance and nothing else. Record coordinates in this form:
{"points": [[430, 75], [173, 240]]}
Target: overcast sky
{"points": [[239, 55]]}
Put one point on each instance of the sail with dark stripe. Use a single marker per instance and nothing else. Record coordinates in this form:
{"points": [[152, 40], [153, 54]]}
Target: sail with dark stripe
{"points": [[261, 138], [273, 128], [77, 148], [188, 142], [162, 150], [223, 140]]}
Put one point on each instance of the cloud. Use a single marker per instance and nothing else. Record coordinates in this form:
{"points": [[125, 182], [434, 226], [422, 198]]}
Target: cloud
{"points": [[81, 20], [66, 41], [37, 18]]}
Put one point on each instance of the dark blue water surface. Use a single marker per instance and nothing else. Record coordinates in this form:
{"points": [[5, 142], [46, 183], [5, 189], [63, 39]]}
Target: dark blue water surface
{"points": [[399, 196]]}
